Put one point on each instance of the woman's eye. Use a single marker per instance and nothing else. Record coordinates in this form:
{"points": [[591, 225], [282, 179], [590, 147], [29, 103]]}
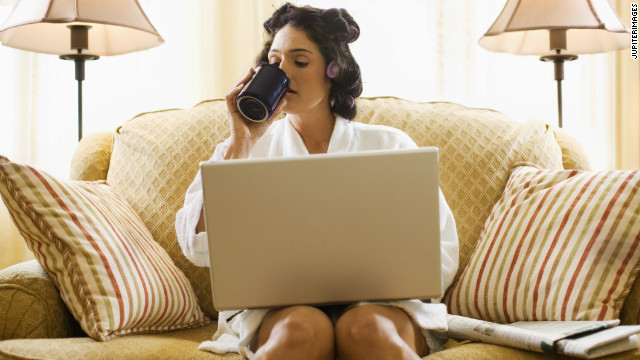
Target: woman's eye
{"points": [[301, 63], [276, 63]]}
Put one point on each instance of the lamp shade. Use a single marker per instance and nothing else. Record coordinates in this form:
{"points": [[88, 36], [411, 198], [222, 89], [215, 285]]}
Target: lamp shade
{"points": [[117, 26], [587, 26]]}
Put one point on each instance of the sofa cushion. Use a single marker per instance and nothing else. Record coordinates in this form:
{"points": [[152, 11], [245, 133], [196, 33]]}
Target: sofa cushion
{"points": [[479, 351], [112, 275], [559, 245], [182, 344]]}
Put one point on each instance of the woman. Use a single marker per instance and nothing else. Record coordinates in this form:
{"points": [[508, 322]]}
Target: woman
{"points": [[311, 46]]}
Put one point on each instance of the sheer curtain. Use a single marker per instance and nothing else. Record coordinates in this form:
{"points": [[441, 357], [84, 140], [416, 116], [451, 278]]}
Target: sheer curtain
{"points": [[414, 49], [209, 45], [428, 51]]}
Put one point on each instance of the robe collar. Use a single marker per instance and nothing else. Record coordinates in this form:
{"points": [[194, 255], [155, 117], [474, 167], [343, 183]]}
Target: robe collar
{"points": [[342, 139]]}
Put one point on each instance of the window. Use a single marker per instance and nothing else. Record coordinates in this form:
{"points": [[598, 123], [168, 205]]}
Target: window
{"points": [[414, 49]]}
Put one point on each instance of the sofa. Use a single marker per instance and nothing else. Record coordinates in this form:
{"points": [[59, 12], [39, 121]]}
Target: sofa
{"points": [[151, 159]]}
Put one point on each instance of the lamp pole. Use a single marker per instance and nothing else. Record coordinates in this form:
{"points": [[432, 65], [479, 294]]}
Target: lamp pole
{"points": [[558, 65], [79, 42], [557, 43]]}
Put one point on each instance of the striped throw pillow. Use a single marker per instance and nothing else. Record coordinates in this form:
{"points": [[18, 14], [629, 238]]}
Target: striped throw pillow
{"points": [[558, 245], [113, 276]]}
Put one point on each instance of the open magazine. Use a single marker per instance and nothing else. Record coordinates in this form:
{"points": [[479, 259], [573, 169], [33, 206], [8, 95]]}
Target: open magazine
{"points": [[583, 339]]}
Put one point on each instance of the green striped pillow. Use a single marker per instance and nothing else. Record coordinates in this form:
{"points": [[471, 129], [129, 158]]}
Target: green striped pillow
{"points": [[112, 275], [558, 245]]}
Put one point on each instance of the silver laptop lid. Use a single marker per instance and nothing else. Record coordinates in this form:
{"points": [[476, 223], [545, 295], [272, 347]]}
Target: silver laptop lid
{"points": [[319, 229]]}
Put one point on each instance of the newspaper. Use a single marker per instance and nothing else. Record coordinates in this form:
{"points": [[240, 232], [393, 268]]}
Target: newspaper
{"points": [[582, 339]]}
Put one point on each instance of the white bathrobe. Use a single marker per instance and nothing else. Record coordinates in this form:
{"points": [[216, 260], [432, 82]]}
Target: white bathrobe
{"points": [[281, 140]]}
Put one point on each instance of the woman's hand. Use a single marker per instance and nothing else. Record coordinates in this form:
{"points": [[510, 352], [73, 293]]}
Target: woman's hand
{"points": [[244, 133]]}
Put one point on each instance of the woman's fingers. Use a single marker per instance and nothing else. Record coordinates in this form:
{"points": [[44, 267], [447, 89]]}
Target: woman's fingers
{"points": [[278, 110], [233, 93], [241, 128]]}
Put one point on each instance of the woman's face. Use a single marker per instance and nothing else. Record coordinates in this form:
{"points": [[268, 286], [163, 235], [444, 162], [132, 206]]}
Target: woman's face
{"points": [[301, 60]]}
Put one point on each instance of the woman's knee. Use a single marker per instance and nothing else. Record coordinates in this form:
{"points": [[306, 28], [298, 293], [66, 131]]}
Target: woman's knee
{"points": [[363, 324], [378, 327], [298, 326]]}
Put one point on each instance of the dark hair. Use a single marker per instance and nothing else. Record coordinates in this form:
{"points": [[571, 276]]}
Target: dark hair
{"points": [[332, 30]]}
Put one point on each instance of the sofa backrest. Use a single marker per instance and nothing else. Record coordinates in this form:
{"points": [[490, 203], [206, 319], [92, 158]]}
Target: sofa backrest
{"points": [[478, 149], [155, 157]]}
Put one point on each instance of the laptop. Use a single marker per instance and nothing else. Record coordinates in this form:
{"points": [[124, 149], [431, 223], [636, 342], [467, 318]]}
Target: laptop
{"points": [[323, 229]]}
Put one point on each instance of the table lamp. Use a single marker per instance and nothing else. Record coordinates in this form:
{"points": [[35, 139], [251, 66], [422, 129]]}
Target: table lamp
{"points": [[79, 30], [557, 30]]}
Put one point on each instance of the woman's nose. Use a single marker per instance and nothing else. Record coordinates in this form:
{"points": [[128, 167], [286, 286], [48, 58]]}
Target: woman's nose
{"points": [[284, 66]]}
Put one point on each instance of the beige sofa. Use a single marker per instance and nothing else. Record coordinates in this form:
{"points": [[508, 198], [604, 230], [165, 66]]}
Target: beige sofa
{"points": [[152, 159]]}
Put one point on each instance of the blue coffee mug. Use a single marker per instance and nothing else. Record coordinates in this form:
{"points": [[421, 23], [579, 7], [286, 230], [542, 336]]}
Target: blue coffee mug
{"points": [[262, 94]]}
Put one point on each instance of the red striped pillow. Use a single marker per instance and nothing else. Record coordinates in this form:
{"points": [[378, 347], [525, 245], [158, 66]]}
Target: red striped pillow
{"points": [[112, 275], [558, 245]]}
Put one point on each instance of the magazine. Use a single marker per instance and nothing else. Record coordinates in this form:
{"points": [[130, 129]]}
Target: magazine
{"points": [[582, 339]]}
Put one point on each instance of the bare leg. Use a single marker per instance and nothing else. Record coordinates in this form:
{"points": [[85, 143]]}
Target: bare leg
{"points": [[378, 332], [297, 332]]}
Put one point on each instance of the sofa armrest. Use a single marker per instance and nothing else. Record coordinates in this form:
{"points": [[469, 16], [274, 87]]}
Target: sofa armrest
{"points": [[90, 161], [573, 154], [630, 313], [31, 306]]}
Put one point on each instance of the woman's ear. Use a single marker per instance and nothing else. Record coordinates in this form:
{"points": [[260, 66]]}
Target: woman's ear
{"points": [[332, 70]]}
